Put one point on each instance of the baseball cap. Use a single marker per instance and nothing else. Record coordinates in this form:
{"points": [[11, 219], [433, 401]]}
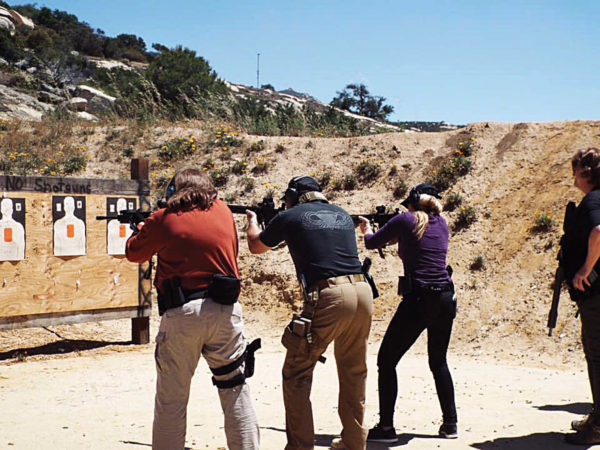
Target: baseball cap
{"points": [[416, 191], [302, 184]]}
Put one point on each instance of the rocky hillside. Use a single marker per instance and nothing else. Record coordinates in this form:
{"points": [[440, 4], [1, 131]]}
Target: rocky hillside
{"points": [[516, 172]]}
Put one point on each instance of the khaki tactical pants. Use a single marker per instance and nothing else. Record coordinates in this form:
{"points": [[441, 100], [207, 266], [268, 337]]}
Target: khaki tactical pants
{"points": [[343, 315], [215, 331]]}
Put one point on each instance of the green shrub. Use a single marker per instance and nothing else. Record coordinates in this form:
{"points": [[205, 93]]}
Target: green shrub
{"points": [[280, 148], [128, 152], [226, 137], [179, 72], [478, 263], [261, 165], [466, 216], [219, 176], [453, 200], [337, 184], [324, 179], [239, 167], [177, 148], [456, 165], [74, 164], [248, 183], [400, 189], [543, 222], [350, 182], [257, 146], [209, 164], [368, 170], [19, 163]]}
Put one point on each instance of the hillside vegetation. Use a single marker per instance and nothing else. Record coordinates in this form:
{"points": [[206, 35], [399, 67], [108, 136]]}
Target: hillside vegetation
{"points": [[50, 64], [501, 179]]}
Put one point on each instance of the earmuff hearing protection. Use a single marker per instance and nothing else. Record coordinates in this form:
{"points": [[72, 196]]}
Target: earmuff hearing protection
{"points": [[291, 193], [413, 197]]}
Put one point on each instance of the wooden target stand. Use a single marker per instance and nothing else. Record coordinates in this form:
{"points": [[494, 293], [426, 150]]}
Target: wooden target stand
{"points": [[43, 288]]}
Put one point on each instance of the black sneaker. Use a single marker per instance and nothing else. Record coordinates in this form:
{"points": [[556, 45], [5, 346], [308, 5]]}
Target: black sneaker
{"points": [[588, 436], [448, 431], [378, 434]]}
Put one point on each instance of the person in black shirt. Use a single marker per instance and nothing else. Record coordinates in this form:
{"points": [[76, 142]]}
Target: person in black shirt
{"points": [[581, 253], [338, 305]]}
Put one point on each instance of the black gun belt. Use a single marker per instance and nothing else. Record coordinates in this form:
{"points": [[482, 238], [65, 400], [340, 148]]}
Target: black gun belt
{"points": [[195, 295], [336, 281], [436, 287]]}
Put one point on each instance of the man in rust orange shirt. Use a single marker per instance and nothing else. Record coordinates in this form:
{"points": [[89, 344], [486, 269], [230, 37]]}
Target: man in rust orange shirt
{"points": [[196, 242]]}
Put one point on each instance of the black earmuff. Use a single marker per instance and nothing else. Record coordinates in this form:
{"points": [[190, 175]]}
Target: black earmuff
{"points": [[414, 197], [291, 193]]}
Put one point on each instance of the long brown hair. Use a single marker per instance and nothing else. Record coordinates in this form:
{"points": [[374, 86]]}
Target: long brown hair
{"points": [[588, 161], [193, 189], [428, 204]]}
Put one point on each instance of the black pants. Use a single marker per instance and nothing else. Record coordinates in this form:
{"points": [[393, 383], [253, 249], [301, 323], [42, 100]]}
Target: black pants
{"points": [[423, 309], [589, 309]]}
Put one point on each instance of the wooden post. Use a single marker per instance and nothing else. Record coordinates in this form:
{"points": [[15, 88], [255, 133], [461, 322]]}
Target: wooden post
{"points": [[140, 326]]}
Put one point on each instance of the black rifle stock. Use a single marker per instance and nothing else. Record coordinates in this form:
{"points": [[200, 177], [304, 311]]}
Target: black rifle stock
{"points": [[379, 219], [265, 210], [559, 275]]}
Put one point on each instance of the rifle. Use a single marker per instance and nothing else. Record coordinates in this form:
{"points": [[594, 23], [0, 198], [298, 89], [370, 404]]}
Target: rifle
{"points": [[265, 210], [133, 218], [559, 275], [379, 219]]}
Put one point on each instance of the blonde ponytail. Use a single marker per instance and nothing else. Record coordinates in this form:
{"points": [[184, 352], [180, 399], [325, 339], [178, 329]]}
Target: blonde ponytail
{"points": [[428, 204]]}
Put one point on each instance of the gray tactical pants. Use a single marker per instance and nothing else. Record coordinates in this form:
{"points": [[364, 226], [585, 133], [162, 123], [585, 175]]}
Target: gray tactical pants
{"points": [[200, 327]]}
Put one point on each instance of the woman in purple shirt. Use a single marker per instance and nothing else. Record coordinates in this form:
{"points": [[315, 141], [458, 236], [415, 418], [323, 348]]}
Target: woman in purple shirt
{"points": [[428, 303]]}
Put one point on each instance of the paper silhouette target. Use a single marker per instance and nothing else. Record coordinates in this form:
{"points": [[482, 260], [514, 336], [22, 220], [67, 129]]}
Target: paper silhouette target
{"points": [[12, 229], [68, 217], [117, 233]]}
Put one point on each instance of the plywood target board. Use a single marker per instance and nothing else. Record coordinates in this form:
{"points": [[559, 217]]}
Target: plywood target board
{"points": [[55, 257]]}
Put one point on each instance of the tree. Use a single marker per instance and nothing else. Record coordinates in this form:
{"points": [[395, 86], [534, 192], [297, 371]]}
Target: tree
{"points": [[357, 99], [180, 71]]}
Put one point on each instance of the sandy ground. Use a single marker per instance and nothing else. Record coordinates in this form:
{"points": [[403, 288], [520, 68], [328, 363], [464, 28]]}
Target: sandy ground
{"points": [[103, 399], [85, 387]]}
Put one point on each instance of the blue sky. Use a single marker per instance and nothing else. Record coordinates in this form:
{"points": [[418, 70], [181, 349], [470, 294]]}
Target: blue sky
{"points": [[460, 61]]}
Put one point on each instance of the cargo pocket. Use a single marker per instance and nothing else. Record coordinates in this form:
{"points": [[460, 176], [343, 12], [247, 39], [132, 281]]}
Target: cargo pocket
{"points": [[160, 340], [293, 343]]}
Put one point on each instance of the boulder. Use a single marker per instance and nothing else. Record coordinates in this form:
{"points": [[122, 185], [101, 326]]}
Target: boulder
{"points": [[86, 116], [17, 105], [77, 104], [98, 101], [21, 20], [49, 97], [89, 92], [99, 105], [7, 24]]}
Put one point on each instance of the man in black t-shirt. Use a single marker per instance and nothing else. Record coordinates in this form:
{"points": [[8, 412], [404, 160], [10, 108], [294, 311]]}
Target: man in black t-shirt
{"points": [[338, 305], [581, 259]]}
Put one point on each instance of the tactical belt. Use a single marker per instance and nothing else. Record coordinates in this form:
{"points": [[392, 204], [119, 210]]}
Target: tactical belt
{"points": [[336, 281]]}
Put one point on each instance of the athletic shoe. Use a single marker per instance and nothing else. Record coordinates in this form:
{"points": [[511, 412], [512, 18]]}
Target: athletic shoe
{"points": [[338, 444], [448, 431], [379, 434], [580, 425], [588, 436]]}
